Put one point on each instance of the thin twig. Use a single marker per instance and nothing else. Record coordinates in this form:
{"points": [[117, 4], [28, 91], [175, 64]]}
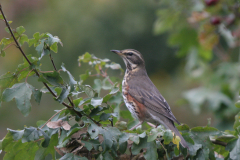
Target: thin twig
{"points": [[24, 55], [28, 75], [38, 139], [9, 46], [104, 74], [53, 117], [54, 66]]}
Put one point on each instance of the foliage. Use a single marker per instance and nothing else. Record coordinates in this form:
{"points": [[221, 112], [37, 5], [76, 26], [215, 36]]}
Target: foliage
{"points": [[91, 125], [206, 33]]}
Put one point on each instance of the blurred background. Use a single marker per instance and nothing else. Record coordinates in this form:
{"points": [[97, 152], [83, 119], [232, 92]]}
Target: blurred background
{"points": [[191, 51]]}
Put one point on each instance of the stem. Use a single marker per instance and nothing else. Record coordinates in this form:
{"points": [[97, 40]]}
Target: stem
{"points": [[24, 55], [104, 74], [9, 46], [28, 75], [54, 66], [53, 117]]}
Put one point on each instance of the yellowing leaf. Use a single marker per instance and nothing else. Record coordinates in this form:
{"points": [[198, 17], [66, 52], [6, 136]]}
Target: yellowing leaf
{"points": [[176, 140]]}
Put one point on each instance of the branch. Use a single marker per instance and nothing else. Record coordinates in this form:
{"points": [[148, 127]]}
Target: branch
{"points": [[24, 55]]}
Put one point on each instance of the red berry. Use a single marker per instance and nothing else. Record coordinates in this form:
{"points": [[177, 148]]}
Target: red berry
{"points": [[215, 20], [211, 2]]}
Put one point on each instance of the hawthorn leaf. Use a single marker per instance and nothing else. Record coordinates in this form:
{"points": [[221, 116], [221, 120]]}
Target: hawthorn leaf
{"points": [[123, 138], [31, 134], [20, 30], [237, 121], [43, 152], [97, 85], [23, 38], [71, 156], [88, 90], [46, 141], [136, 148], [233, 147], [16, 134], [21, 92], [18, 150], [52, 78], [63, 95], [72, 81], [167, 136], [37, 94], [87, 145], [151, 152], [96, 101]]}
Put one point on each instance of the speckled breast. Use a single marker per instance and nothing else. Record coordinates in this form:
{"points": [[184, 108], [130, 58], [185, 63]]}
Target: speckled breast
{"points": [[129, 102]]}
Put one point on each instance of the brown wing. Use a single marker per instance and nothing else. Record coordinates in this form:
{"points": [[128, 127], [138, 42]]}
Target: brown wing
{"points": [[145, 92]]}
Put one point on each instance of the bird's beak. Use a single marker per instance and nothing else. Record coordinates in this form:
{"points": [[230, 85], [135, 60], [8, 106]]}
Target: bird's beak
{"points": [[117, 52]]}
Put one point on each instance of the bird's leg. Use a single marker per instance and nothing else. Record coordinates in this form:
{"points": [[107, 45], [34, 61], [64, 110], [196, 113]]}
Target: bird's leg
{"points": [[152, 125], [136, 125]]}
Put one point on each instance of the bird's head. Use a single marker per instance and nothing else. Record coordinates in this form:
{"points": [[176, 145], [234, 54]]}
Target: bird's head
{"points": [[132, 58]]}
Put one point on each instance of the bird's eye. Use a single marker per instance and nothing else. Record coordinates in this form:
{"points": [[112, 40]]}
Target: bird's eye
{"points": [[129, 53]]}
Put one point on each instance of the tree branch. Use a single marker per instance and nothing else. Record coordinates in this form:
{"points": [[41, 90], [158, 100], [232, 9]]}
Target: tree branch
{"points": [[24, 55]]}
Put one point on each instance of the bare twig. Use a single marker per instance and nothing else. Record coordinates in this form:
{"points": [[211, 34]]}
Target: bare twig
{"points": [[9, 46], [52, 62], [28, 75], [104, 74]]}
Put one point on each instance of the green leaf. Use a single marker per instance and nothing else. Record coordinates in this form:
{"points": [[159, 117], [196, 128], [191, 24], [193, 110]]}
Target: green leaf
{"points": [[134, 138], [46, 141], [200, 135], [136, 148], [1, 16], [97, 85], [8, 80], [54, 47], [37, 94], [151, 152], [167, 136], [72, 81], [123, 142], [40, 47], [193, 147], [20, 30], [88, 145], [71, 156], [88, 90], [96, 101], [16, 134], [233, 147], [52, 78], [121, 125], [43, 152], [31, 134], [107, 156], [53, 39], [64, 94], [23, 38], [18, 150], [105, 116], [22, 94], [237, 121]]}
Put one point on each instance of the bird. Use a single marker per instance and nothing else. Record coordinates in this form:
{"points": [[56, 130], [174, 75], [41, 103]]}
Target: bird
{"points": [[141, 96]]}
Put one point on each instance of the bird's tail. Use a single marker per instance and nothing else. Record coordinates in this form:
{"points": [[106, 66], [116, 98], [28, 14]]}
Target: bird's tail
{"points": [[172, 127]]}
